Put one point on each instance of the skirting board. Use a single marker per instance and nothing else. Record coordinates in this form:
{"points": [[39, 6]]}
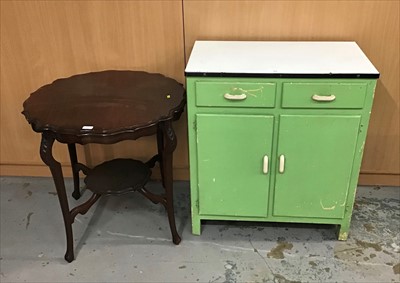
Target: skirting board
{"points": [[181, 174], [368, 179]]}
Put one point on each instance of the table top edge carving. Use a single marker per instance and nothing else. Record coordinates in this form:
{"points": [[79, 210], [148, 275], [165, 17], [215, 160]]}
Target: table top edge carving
{"points": [[112, 135]]}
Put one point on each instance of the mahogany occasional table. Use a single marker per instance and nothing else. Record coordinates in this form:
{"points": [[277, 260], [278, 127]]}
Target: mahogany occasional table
{"points": [[108, 107]]}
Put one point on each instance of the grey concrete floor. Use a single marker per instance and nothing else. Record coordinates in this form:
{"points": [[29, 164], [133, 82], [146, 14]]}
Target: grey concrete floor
{"points": [[127, 239]]}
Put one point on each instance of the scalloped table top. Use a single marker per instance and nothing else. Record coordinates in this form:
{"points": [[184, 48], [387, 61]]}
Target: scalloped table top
{"points": [[104, 103]]}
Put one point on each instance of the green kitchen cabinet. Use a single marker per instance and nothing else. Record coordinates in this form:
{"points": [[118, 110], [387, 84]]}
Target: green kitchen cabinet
{"points": [[277, 130]]}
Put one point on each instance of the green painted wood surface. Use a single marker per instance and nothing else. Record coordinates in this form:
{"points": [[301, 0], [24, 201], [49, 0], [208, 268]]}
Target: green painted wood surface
{"points": [[348, 95], [257, 94], [362, 115], [319, 152], [230, 151]]}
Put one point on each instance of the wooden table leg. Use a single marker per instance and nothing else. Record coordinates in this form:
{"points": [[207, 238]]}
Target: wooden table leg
{"points": [[169, 145], [56, 171], [160, 147], [75, 171]]}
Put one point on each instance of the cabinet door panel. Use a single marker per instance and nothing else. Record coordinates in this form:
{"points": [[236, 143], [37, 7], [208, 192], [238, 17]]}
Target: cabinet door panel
{"points": [[318, 153], [230, 154]]}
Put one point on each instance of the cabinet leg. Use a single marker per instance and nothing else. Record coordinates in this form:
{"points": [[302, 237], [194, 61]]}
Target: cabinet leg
{"points": [[343, 232], [56, 171], [196, 226], [169, 145], [75, 171]]}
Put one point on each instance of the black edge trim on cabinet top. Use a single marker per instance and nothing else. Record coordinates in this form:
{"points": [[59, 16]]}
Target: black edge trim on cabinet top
{"points": [[258, 75]]}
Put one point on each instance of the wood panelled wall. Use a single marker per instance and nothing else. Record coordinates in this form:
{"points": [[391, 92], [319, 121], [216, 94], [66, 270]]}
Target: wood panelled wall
{"points": [[44, 40], [374, 25]]}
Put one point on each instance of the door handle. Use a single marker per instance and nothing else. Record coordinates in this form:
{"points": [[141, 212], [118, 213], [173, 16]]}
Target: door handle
{"points": [[265, 164], [323, 98], [281, 164], [229, 96]]}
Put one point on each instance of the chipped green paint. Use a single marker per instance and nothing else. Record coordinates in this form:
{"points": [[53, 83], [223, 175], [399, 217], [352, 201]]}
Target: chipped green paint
{"points": [[322, 145], [343, 236], [218, 137]]}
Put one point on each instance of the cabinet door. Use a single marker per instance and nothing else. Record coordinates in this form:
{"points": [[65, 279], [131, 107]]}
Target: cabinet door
{"points": [[230, 158], [318, 153]]}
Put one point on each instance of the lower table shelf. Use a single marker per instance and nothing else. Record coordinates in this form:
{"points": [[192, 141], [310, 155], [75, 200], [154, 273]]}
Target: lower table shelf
{"points": [[117, 176]]}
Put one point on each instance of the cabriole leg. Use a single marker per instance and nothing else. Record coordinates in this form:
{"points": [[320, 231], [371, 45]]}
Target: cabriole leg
{"points": [[56, 172], [75, 171], [160, 147], [169, 145]]}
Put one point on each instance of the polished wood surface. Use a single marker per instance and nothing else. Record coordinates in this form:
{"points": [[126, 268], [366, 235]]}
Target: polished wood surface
{"points": [[374, 25], [104, 107], [45, 40], [108, 107]]}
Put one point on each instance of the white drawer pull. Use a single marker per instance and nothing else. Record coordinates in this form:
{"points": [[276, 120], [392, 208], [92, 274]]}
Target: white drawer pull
{"points": [[265, 164], [324, 98], [281, 164], [229, 96]]}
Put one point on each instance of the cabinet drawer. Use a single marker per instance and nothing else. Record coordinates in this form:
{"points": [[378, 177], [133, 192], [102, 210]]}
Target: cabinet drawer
{"points": [[232, 94], [324, 95]]}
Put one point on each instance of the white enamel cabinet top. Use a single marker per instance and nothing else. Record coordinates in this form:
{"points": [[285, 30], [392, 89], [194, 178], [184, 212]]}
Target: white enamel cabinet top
{"points": [[279, 59]]}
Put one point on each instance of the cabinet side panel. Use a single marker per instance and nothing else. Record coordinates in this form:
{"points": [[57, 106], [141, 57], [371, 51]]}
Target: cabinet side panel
{"points": [[191, 112]]}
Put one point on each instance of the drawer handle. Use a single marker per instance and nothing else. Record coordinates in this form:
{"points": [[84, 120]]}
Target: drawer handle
{"points": [[281, 164], [242, 96], [265, 164], [323, 98]]}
